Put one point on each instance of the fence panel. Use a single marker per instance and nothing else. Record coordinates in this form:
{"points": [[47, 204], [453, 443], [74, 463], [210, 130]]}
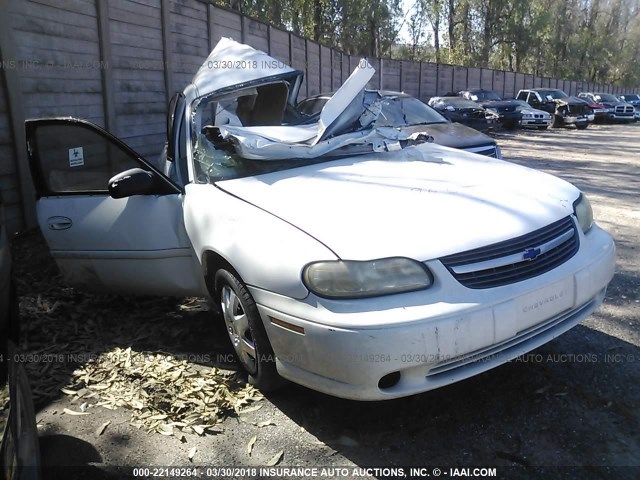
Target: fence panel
{"points": [[410, 78], [510, 90], [375, 81], [225, 24], [486, 79], [336, 69], [313, 68], [256, 34], [325, 69], [459, 79], [528, 81], [499, 84], [299, 60], [279, 45], [428, 81], [391, 74], [445, 79]]}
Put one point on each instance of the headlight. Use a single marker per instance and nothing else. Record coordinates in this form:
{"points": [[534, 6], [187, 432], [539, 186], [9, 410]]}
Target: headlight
{"points": [[356, 279], [527, 115], [583, 212]]}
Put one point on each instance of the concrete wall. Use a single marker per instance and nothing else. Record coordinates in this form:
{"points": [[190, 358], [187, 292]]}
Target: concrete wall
{"points": [[118, 62]]}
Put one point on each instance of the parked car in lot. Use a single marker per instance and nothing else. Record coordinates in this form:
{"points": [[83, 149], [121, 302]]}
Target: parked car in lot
{"points": [[616, 110], [507, 110], [466, 112], [19, 450], [404, 111], [566, 110], [633, 99], [358, 260], [533, 118]]}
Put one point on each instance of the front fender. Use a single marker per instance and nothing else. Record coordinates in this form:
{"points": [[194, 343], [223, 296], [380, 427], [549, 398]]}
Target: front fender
{"points": [[266, 251]]}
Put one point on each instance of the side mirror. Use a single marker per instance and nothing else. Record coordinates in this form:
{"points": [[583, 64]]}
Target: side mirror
{"points": [[131, 182]]}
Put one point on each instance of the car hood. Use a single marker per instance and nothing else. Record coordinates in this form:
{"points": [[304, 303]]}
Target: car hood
{"points": [[614, 104], [421, 202], [569, 101], [453, 135], [534, 111], [498, 103]]}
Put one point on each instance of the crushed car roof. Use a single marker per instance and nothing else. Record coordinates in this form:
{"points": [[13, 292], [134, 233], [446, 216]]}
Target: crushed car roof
{"points": [[231, 64], [343, 122]]}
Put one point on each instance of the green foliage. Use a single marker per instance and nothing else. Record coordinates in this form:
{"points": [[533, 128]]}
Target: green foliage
{"points": [[593, 40]]}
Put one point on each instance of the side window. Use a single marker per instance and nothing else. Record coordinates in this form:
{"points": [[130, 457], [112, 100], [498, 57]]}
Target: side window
{"points": [[69, 157], [522, 96]]}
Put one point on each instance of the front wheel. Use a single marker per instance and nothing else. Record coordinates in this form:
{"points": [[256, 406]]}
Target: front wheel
{"points": [[246, 331]]}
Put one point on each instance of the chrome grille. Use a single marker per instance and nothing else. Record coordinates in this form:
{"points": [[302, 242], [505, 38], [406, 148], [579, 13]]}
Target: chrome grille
{"points": [[517, 259], [487, 150]]}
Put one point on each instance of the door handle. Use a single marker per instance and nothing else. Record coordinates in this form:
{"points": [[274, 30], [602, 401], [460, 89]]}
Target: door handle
{"points": [[59, 223]]}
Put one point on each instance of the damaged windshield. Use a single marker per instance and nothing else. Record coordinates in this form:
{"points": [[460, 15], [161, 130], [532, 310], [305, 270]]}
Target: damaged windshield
{"points": [[214, 158], [406, 111], [553, 94]]}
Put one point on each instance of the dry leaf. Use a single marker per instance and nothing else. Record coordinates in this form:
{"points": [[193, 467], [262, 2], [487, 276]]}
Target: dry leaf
{"points": [[102, 428], [275, 459], [250, 444], [250, 409], [266, 423], [72, 412], [192, 453]]}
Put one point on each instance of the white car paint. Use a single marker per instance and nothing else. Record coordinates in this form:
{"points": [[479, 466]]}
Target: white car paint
{"points": [[421, 202], [401, 200]]}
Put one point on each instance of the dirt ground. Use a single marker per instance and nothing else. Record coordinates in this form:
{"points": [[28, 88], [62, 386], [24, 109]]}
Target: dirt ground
{"points": [[573, 402]]}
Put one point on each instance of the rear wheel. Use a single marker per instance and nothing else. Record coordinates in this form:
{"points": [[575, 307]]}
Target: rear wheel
{"points": [[21, 443], [246, 331], [582, 126], [557, 121]]}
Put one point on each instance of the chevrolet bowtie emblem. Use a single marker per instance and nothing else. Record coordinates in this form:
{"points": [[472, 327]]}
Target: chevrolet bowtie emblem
{"points": [[531, 254]]}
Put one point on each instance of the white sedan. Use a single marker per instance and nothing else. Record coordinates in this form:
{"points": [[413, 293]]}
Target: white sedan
{"points": [[532, 117], [363, 262]]}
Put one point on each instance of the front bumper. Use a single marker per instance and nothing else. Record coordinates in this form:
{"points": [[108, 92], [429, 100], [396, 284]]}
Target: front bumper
{"points": [[575, 119], [622, 116], [535, 122], [434, 337]]}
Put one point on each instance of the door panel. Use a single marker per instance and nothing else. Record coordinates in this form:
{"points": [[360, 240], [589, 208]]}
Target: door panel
{"points": [[136, 244]]}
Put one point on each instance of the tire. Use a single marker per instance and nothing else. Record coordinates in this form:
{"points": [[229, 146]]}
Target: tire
{"points": [[246, 332], [557, 121], [22, 422], [582, 126]]}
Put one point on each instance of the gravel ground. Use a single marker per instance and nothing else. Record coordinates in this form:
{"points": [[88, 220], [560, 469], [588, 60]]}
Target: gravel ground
{"points": [[573, 402]]}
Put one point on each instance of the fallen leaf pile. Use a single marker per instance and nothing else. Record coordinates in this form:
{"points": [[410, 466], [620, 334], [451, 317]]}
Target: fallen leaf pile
{"points": [[164, 394], [156, 356]]}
